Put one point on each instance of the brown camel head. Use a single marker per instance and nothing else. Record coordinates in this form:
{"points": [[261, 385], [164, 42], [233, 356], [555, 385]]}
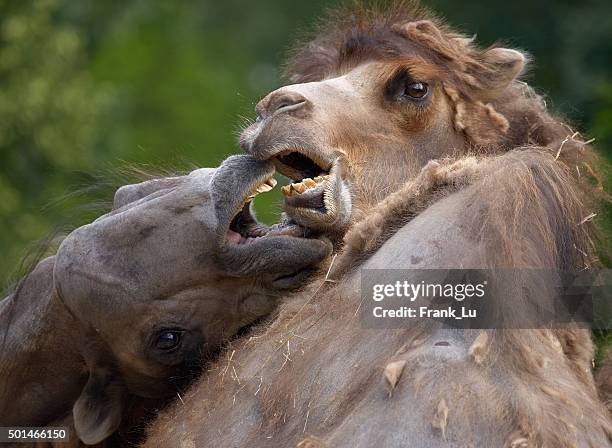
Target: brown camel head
{"points": [[374, 97], [161, 281]]}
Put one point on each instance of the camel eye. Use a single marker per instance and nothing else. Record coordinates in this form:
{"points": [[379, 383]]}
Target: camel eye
{"points": [[416, 90], [402, 87], [168, 340]]}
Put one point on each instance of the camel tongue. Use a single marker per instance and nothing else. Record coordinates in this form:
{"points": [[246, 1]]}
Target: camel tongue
{"points": [[232, 237]]}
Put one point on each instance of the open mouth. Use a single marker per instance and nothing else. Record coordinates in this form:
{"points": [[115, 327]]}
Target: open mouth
{"points": [[244, 227], [279, 256], [311, 178], [318, 197]]}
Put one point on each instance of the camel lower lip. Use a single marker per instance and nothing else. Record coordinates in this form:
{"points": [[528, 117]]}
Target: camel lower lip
{"points": [[236, 238], [311, 198], [244, 229]]}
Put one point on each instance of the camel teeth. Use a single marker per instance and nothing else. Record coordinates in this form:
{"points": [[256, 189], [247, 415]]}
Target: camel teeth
{"points": [[301, 187], [272, 182], [263, 188]]}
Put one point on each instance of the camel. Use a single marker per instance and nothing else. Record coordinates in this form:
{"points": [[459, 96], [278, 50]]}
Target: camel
{"points": [[101, 334], [411, 148]]}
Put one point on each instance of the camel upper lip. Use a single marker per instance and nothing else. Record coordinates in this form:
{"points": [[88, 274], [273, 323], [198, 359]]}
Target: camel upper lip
{"points": [[242, 221], [234, 185]]}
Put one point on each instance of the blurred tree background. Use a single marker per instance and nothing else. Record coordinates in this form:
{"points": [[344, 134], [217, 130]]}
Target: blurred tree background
{"points": [[89, 86]]}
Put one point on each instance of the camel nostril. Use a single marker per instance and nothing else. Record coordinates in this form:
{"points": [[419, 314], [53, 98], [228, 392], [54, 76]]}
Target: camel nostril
{"points": [[278, 102], [287, 106], [442, 344]]}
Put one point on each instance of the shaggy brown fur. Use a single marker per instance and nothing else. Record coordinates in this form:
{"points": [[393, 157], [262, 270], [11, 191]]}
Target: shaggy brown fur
{"points": [[516, 193]]}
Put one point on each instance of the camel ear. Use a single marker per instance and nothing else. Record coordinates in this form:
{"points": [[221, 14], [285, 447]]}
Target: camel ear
{"points": [[507, 65], [98, 410], [134, 192]]}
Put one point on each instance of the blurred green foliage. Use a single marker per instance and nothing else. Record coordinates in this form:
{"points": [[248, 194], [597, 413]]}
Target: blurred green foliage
{"points": [[89, 86]]}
